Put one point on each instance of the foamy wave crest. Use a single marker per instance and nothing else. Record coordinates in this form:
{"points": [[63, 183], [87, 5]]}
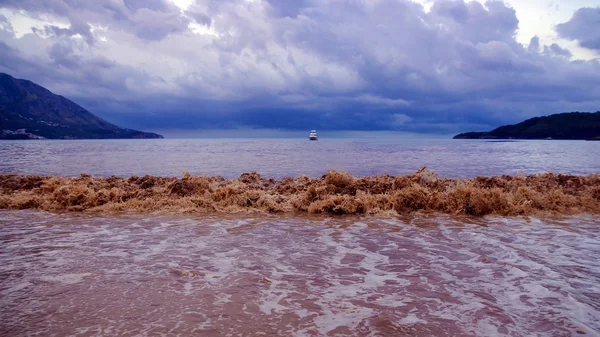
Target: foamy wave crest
{"points": [[333, 193]]}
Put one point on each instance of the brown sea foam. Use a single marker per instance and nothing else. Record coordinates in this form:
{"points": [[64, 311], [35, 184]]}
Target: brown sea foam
{"points": [[333, 193]]}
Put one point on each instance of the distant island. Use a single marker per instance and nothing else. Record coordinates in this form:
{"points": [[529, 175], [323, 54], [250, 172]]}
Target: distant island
{"points": [[569, 125], [30, 111]]}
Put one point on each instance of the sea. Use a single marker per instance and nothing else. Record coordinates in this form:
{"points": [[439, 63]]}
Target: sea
{"points": [[254, 274], [278, 158]]}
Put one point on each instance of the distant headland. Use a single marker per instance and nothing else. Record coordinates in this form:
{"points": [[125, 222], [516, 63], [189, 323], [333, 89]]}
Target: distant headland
{"points": [[30, 111], [569, 125]]}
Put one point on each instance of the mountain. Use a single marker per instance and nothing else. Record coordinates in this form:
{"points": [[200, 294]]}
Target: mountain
{"points": [[569, 125], [30, 111]]}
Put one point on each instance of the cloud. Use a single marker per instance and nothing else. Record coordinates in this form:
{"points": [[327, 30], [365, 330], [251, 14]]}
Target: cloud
{"points": [[289, 8], [5, 24], [474, 22], [555, 49], [534, 44], [329, 64], [148, 20], [584, 27], [400, 119]]}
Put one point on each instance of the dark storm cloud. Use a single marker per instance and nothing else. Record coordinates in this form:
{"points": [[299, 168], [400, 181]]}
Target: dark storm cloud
{"points": [[150, 20], [338, 65], [584, 27]]}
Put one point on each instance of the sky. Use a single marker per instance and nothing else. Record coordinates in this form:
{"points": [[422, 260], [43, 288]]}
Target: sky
{"points": [[417, 67]]}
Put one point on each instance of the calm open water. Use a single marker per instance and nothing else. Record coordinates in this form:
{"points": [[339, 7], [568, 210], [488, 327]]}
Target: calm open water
{"points": [[277, 158]]}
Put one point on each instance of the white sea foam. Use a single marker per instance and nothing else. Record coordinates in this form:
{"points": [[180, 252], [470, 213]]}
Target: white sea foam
{"points": [[66, 278]]}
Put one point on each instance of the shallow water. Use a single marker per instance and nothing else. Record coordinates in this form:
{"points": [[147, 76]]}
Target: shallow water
{"points": [[277, 158], [84, 275]]}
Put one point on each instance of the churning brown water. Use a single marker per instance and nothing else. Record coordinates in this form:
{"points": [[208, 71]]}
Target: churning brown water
{"points": [[126, 275], [334, 193]]}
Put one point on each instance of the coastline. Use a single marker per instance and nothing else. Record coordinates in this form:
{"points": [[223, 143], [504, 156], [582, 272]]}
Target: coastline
{"points": [[335, 193]]}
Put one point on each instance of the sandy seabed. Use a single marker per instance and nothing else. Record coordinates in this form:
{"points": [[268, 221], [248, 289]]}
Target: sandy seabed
{"points": [[333, 193]]}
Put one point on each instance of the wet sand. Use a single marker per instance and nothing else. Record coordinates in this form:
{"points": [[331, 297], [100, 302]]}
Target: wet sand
{"points": [[333, 193], [220, 275]]}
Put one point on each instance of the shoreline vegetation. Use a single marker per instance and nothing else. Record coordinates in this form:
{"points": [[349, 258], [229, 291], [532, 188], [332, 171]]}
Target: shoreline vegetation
{"points": [[30, 111], [333, 193], [562, 126]]}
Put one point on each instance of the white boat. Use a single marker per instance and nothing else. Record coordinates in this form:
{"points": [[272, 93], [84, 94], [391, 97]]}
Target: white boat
{"points": [[313, 135]]}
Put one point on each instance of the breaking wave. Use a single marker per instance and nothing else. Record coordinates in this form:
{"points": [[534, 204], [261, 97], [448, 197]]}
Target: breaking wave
{"points": [[333, 193]]}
